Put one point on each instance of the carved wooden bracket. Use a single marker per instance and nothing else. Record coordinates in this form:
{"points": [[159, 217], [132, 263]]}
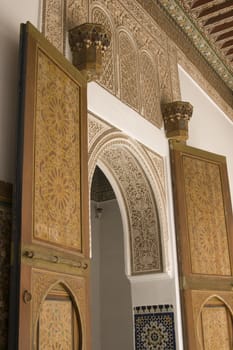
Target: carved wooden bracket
{"points": [[88, 43], [176, 116]]}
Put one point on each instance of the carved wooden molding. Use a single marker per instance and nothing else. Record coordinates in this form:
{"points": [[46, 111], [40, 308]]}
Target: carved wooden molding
{"points": [[88, 43], [135, 174], [176, 116]]}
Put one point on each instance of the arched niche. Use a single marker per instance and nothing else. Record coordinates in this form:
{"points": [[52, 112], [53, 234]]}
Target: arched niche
{"points": [[149, 85], [140, 195], [108, 76], [215, 324], [58, 323], [128, 69]]}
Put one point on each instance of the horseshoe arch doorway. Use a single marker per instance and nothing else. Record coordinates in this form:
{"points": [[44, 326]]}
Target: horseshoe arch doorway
{"points": [[126, 228]]}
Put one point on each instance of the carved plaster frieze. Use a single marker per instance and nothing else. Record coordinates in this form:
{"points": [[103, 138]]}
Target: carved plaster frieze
{"points": [[212, 83], [152, 31], [76, 13], [53, 22], [139, 179], [138, 60]]}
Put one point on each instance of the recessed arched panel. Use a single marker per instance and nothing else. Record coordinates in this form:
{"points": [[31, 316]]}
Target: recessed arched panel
{"points": [[215, 325], [107, 78], [128, 70], [150, 90], [59, 325]]}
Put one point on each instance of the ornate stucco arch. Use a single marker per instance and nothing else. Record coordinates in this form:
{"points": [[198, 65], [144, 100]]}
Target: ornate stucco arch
{"points": [[136, 175]]}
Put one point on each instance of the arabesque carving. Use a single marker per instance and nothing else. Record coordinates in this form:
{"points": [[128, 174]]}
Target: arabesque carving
{"points": [[143, 217], [133, 32], [135, 172], [128, 68], [56, 208], [43, 282], [212, 315], [147, 23], [108, 77], [56, 323], [54, 29], [208, 238]]}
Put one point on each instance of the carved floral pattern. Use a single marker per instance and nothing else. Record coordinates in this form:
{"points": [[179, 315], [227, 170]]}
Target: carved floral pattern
{"points": [[107, 78], [128, 68], [150, 90], [206, 217], [56, 325], [95, 129], [215, 321], [212, 316], [134, 30], [76, 13], [57, 178], [54, 28], [143, 218], [143, 20]]}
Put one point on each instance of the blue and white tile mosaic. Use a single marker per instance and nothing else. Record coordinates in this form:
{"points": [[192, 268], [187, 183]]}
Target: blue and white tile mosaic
{"points": [[154, 327]]}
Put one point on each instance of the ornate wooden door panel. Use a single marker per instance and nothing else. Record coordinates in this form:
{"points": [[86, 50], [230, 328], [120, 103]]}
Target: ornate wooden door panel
{"points": [[205, 246], [51, 237]]}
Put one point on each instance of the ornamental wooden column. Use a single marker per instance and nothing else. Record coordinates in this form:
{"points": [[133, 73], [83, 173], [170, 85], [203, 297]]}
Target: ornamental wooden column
{"points": [[176, 116], [88, 43]]}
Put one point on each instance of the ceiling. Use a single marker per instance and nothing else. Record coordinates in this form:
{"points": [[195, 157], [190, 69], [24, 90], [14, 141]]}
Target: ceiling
{"points": [[209, 25]]}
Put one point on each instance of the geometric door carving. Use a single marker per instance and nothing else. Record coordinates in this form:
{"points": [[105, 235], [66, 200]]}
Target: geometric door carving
{"points": [[204, 229], [50, 276]]}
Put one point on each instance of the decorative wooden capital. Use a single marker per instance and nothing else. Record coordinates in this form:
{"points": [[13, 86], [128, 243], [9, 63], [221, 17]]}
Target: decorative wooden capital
{"points": [[88, 43], [176, 116]]}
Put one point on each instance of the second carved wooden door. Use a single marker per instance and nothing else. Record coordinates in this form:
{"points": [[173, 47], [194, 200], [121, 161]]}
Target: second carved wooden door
{"points": [[204, 229]]}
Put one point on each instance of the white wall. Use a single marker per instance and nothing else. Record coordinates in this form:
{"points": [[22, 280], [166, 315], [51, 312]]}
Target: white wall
{"points": [[12, 13], [209, 127]]}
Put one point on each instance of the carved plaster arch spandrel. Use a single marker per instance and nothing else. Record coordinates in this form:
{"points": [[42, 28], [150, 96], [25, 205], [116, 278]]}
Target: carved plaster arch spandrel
{"points": [[129, 165]]}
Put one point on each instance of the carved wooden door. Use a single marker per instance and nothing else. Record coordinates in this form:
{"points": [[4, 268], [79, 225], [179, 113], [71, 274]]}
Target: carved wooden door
{"points": [[50, 274], [204, 229]]}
